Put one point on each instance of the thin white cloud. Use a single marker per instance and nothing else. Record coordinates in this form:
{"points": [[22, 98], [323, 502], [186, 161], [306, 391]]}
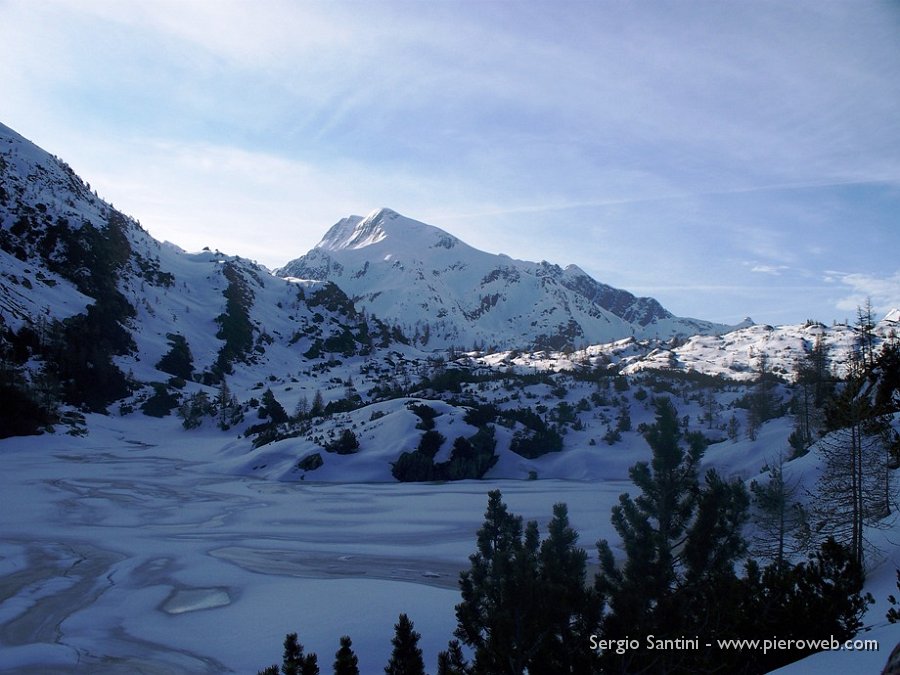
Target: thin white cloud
{"points": [[773, 270], [676, 99], [655, 141], [252, 35], [253, 203], [882, 291]]}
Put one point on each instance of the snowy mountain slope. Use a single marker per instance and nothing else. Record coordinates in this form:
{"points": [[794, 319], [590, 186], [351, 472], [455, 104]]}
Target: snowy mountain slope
{"points": [[86, 288], [443, 292], [734, 355], [33, 184], [76, 271], [77, 276]]}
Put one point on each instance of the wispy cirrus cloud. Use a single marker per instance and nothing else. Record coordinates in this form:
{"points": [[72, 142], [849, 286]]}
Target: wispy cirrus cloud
{"points": [[882, 291], [656, 144], [774, 270]]}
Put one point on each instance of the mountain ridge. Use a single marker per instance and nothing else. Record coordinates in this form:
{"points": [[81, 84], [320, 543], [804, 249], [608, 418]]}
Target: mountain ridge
{"points": [[207, 366], [445, 292], [97, 316]]}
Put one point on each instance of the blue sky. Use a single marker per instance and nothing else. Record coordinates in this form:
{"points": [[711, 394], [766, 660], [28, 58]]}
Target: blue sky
{"points": [[728, 158]]}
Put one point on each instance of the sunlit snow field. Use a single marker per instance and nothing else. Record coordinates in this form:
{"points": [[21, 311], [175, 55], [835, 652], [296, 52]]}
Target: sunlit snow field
{"points": [[120, 557]]}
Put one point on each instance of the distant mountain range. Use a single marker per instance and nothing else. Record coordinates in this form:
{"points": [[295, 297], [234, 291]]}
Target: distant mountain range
{"points": [[392, 351], [442, 292], [98, 316]]}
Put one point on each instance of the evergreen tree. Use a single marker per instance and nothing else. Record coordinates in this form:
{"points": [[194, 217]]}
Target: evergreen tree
{"points": [[831, 589], [713, 540], [318, 405], [310, 665], [524, 603], [346, 444], [235, 326], [893, 614], [887, 370], [345, 661], [294, 662], [270, 408], [763, 405], [194, 409], [497, 613], [569, 611], [20, 414], [623, 421], [46, 392], [350, 393], [452, 661], [734, 428], [178, 361], [471, 457], [815, 386], [821, 597], [865, 328], [681, 541], [651, 526], [406, 658]]}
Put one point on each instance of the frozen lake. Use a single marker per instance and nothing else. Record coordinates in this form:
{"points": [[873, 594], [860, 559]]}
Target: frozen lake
{"points": [[119, 557]]}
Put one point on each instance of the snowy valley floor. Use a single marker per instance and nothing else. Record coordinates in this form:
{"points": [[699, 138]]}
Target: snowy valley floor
{"points": [[119, 557], [123, 557]]}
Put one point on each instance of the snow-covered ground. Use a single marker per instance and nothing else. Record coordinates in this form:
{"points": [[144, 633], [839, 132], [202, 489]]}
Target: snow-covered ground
{"points": [[145, 547], [118, 556]]}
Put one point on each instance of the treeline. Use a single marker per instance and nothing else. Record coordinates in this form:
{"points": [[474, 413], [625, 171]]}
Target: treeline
{"points": [[470, 457], [406, 657], [76, 354], [528, 606]]}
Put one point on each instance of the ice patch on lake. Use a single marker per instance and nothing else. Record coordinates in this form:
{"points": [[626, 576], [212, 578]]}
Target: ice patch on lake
{"points": [[195, 599]]}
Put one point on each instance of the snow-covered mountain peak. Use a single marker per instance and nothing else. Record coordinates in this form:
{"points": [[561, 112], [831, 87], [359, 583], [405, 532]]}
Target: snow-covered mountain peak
{"points": [[341, 234], [398, 233], [443, 292], [355, 232]]}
